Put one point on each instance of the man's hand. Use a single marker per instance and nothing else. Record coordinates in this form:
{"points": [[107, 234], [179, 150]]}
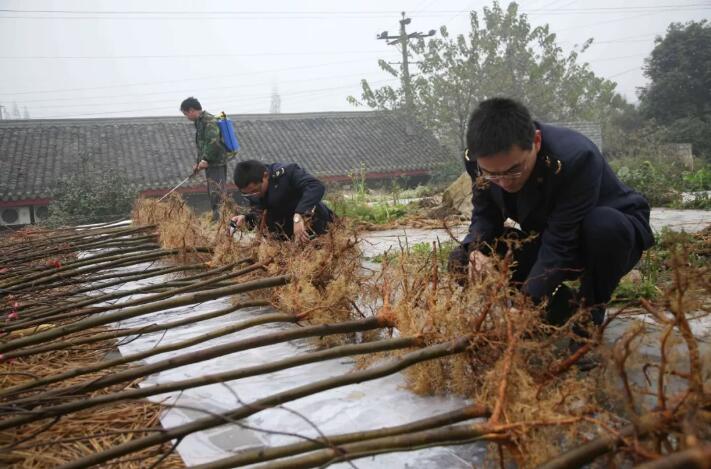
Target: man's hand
{"points": [[199, 166], [300, 233], [238, 222], [479, 265]]}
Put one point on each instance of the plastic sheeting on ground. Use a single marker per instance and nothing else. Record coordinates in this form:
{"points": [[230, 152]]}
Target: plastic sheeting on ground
{"points": [[365, 406]]}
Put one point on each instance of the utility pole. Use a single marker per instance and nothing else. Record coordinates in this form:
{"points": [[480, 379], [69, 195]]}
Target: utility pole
{"points": [[404, 39]]}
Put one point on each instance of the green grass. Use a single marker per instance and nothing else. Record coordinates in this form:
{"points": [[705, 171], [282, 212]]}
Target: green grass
{"points": [[358, 204], [421, 252], [654, 266], [372, 212]]}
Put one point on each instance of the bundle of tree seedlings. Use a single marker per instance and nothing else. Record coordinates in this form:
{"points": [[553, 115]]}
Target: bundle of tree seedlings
{"points": [[647, 402]]}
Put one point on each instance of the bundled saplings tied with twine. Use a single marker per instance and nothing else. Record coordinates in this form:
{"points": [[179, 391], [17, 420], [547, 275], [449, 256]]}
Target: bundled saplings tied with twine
{"points": [[39, 270], [513, 362], [58, 395], [484, 341], [53, 351], [323, 273], [60, 389], [649, 400], [502, 355]]}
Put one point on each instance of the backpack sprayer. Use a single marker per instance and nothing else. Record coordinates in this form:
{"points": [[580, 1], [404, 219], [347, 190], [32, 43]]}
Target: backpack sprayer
{"points": [[229, 142], [227, 133]]}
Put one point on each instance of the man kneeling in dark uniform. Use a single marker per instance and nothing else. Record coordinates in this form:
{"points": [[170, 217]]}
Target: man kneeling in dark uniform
{"points": [[554, 183], [287, 196]]}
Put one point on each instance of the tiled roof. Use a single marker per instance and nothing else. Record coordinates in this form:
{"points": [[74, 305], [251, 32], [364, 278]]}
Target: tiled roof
{"points": [[592, 130], [157, 152]]}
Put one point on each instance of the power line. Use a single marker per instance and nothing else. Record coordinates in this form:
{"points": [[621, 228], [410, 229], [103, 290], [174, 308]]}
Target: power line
{"points": [[404, 40], [423, 6], [550, 4], [624, 72], [172, 92], [234, 100], [179, 56], [335, 15], [456, 16], [622, 57], [378, 13], [160, 82], [597, 23]]}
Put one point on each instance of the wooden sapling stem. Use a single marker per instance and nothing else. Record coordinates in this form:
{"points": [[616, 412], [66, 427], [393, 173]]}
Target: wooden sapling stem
{"points": [[588, 452], [312, 357], [89, 245], [128, 313], [109, 255], [119, 279], [125, 248], [693, 458], [152, 328], [31, 246], [696, 383], [93, 338], [253, 456], [47, 312], [55, 315], [34, 263], [447, 436], [118, 276], [32, 281], [428, 353], [192, 357]]}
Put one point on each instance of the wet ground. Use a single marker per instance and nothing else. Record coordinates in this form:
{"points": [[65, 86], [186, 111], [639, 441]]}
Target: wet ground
{"points": [[376, 242]]}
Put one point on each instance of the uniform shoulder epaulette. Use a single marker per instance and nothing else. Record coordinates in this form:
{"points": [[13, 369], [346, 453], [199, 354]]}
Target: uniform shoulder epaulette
{"points": [[554, 164], [277, 173]]}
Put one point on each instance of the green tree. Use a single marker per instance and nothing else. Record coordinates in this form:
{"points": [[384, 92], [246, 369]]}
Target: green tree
{"points": [[92, 194], [502, 55], [678, 96]]}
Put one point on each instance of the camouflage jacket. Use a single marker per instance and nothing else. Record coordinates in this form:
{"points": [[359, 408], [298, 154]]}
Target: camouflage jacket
{"points": [[208, 140]]}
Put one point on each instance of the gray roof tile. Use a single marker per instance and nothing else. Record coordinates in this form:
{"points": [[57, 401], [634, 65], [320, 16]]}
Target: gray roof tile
{"points": [[157, 152]]}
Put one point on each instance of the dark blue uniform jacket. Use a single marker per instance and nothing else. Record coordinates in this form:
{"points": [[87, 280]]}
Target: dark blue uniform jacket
{"points": [[291, 190], [570, 179]]}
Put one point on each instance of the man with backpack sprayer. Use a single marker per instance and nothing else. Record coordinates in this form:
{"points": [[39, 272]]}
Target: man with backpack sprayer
{"points": [[212, 153]]}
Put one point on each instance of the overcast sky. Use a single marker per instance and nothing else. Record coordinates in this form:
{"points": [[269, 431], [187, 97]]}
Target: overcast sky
{"points": [[110, 58]]}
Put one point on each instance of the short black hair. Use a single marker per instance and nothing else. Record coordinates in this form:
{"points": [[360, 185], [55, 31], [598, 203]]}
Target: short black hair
{"points": [[190, 103], [498, 124], [247, 172]]}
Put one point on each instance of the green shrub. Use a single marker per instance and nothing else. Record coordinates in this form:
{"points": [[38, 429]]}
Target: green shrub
{"points": [[658, 185], [699, 180], [662, 183], [358, 209], [420, 252], [655, 266], [90, 195]]}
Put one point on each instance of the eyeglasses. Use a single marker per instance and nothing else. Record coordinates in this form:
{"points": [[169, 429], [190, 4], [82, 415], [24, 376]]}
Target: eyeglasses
{"points": [[252, 196], [499, 176], [514, 173]]}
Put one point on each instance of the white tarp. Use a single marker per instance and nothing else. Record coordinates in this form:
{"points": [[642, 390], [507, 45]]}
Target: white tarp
{"points": [[370, 405]]}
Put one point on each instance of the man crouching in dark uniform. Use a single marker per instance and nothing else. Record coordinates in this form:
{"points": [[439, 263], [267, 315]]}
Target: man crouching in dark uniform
{"points": [[555, 183], [285, 196]]}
